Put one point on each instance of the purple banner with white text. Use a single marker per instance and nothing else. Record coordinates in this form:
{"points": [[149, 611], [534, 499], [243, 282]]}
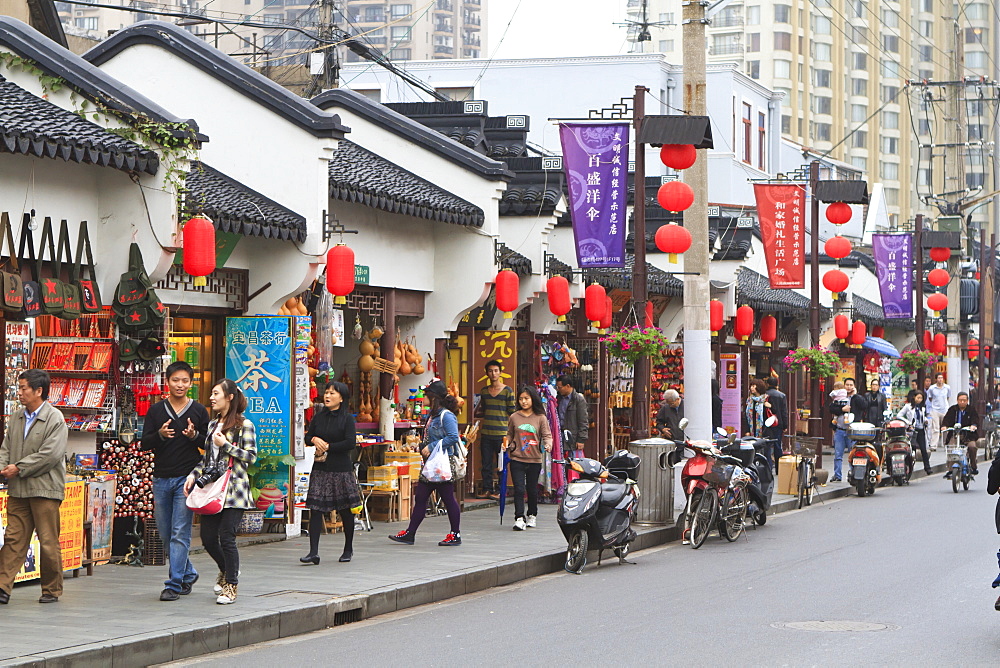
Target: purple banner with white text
{"points": [[894, 269], [595, 158]]}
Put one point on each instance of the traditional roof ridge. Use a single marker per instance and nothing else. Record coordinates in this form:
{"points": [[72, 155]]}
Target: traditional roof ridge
{"points": [[217, 64]]}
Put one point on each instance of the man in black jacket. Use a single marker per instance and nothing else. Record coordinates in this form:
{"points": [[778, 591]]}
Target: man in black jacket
{"points": [[963, 414], [856, 405], [574, 415], [668, 418], [779, 408], [174, 429]]}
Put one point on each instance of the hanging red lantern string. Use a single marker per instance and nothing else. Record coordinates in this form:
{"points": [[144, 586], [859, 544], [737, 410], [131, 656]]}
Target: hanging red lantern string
{"points": [[609, 312], [839, 213], [557, 290], [938, 277], [838, 247], [859, 332], [940, 254], [716, 316], [743, 328], [973, 349], [672, 239], [878, 331], [595, 304], [340, 272], [199, 248], [937, 302], [841, 326], [678, 156], [940, 344], [768, 330], [835, 281], [508, 285], [675, 196]]}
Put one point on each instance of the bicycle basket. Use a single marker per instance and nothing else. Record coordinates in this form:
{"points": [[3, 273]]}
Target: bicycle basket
{"points": [[805, 448], [719, 474]]}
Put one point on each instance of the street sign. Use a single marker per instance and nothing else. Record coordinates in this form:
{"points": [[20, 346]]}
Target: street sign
{"points": [[362, 274]]}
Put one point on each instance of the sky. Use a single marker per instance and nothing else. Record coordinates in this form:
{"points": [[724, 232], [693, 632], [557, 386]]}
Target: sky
{"points": [[550, 28]]}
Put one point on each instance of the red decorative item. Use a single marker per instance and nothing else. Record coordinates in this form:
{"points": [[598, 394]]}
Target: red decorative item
{"points": [[937, 302], [673, 239], [835, 281], [557, 289], [678, 156], [675, 196], [609, 312], [340, 272], [199, 248], [859, 332], [940, 254], [928, 341], [841, 326], [744, 322], [838, 213], [940, 344], [878, 331], [938, 277], [768, 330], [649, 314], [838, 247], [595, 304], [973, 349], [508, 285], [716, 316]]}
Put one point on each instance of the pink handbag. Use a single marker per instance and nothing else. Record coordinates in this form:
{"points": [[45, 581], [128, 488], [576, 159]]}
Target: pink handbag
{"points": [[210, 499]]}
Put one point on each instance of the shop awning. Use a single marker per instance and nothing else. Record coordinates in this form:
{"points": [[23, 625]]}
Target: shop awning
{"points": [[32, 126], [881, 346], [358, 175], [234, 207]]}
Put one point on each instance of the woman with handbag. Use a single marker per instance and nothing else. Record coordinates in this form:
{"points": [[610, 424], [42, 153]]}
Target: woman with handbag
{"points": [[441, 433], [230, 448], [332, 483], [528, 437], [757, 409]]}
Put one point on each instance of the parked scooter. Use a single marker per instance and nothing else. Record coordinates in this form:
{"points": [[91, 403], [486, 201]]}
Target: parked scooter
{"points": [[958, 459], [598, 508], [863, 461], [753, 452], [898, 452]]}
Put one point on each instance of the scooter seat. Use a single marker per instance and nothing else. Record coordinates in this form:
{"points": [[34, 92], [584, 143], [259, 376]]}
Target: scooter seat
{"points": [[612, 492]]}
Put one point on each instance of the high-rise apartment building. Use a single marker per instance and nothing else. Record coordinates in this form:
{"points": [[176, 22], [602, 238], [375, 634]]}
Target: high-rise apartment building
{"points": [[853, 72]]}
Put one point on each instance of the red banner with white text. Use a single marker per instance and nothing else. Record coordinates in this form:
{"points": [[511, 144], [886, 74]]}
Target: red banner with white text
{"points": [[781, 211]]}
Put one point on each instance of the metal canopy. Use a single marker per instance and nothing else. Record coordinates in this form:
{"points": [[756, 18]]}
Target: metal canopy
{"points": [[849, 192], [660, 130]]}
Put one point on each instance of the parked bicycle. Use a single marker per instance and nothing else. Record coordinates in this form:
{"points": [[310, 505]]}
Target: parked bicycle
{"points": [[715, 485], [806, 467]]}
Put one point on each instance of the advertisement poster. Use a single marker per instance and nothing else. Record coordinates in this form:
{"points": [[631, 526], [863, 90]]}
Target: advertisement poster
{"points": [[303, 339], [731, 390], [781, 210], [100, 511], [70, 536], [849, 369]]}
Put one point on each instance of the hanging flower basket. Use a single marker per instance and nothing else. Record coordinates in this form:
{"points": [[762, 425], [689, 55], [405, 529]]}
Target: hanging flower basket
{"points": [[914, 361], [631, 343], [818, 361]]}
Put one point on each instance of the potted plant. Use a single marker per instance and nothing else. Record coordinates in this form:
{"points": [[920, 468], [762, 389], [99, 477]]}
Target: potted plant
{"points": [[631, 343], [268, 496], [818, 361], [913, 361]]}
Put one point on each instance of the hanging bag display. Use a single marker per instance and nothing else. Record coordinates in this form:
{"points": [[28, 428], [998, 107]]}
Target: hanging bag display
{"points": [[71, 291], [210, 499], [90, 292], [32, 290], [134, 284], [52, 288], [12, 295]]}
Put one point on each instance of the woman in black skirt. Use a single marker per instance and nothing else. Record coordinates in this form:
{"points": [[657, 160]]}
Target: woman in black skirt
{"points": [[332, 483]]}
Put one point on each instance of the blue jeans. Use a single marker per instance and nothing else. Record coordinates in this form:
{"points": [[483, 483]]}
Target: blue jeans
{"points": [[840, 445], [173, 521]]}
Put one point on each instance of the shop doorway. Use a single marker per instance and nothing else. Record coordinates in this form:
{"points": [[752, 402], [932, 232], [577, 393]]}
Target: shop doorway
{"points": [[199, 341]]}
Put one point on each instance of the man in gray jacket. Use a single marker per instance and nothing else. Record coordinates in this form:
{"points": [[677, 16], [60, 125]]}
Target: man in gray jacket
{"points": [[31, 460], [573, 414]]}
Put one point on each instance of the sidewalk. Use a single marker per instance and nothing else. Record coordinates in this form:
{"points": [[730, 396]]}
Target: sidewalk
{"points": [[114, 618]]}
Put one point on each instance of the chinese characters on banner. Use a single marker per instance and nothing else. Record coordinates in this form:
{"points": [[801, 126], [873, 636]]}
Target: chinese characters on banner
{"points": [[595, 158], [70, 533], [781, 209], [894, 268]]}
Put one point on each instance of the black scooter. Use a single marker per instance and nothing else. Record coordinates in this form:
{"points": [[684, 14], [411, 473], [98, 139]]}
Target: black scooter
{"points": [[598, 508]]}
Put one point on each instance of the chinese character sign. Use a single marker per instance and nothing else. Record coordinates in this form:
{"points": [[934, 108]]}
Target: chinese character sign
{"points": [[499, 346], [781, 210], [894, 269], [259, 360], [596, 161]]}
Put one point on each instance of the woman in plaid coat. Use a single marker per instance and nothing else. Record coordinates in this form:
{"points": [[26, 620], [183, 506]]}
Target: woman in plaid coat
{"points": [[231, 438]]}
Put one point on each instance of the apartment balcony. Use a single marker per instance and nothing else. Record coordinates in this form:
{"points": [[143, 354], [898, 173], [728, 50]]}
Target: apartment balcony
{"points": [[445, 50], [634, 4], [725, 50], [472, 23], [444, 6], [369, 18], [472, 3], [727, 22], [469, 40], [446, 28]]}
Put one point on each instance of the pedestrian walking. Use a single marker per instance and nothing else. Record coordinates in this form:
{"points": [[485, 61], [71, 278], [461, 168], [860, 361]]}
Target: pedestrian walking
{"points": [[716, 406], [31, 461], [175, 429], [757, 410], [441, 428], [528, 437], [938, 400], [496, 405], [914, 414], [779, 408], [333, 486], [876, 404], [842, 409], [231, 441], [574, 418]]}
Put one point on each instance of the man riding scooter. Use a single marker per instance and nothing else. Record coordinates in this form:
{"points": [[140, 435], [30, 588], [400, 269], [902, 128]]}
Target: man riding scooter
{"points": [[963, 414]]}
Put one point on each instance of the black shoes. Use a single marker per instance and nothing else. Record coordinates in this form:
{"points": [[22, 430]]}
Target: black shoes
{"points": [[451, 539], [187, 586], [4, 597], [49, 598], [947, 476], [405, 537], [346, 556], [166, 595], [310, 559]]}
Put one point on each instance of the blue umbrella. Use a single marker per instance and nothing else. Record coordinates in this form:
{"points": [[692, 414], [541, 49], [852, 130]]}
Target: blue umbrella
{"points": [[880, 346], [503, 484]]}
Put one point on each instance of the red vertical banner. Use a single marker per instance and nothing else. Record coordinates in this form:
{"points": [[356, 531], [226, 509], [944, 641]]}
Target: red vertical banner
{"points": [[781, 211]]}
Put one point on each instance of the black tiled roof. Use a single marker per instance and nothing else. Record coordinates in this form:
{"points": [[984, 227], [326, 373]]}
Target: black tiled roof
{"points": [[559, 268], [533, 191], [734, 245], [234, 207], [358, 175], [33, 126], [503, 141], [513, 260], [873, 314], [658, 281], [755, 289]]}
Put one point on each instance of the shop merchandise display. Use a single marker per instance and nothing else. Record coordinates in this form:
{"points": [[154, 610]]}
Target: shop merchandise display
{"points": [[17, 351], [134, 469]]}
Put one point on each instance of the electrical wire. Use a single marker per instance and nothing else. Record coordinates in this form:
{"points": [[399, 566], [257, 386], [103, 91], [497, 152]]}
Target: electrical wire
{"points": [[495, 50], [865, 122], [899, 35], [960, 35], [426, 9]]}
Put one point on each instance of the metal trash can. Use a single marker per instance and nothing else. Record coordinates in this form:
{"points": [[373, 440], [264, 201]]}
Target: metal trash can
{"points": [[656, 481]]}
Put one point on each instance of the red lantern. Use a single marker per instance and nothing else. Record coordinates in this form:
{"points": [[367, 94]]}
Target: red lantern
{"points": [[716, 316], [878, 331], [340, 272], [928, 341], [673, 239], [744, 322], [835, 281], [678, 156], [973, 349], [675, 196], [938, 277], [940, 344], [595, 304], [940, 254], [609, 312], [841, 326], [768, 329], [838, 213], [199, 248], [557, 289], [859, 332], [649, 314], [838, 247], [937, 302], [508, 286]]}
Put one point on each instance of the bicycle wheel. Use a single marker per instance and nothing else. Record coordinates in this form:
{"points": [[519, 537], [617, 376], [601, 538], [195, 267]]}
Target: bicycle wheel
{"points": [[735, 519], [956, 478], [991, 445], [704, 517]]}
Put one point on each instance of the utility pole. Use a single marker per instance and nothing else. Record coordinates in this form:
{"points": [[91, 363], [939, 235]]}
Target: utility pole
{"points": [[918, 282], [640, 291], [981, 387], [956, 152], [815, 400], [697, 337], [325, 75]]}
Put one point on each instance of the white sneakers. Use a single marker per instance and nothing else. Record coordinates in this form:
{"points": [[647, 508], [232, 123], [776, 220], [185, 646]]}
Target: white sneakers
{"points": [[519, 524], [532, 522], [228, 594]]}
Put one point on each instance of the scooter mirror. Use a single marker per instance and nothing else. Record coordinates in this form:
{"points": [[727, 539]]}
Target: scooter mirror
{"points": [[771, 421], [683, 423]]}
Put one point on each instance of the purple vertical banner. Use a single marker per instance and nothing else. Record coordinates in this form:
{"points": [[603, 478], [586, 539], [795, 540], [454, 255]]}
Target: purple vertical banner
{"points": [[894, 269], [595, 158]]}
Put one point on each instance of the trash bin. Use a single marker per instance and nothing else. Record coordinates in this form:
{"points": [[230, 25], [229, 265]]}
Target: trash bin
{"points": [[656, 481]]}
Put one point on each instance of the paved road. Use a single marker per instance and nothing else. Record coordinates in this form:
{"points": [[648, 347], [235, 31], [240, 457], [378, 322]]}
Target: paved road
{"points": [[919, 559]]}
